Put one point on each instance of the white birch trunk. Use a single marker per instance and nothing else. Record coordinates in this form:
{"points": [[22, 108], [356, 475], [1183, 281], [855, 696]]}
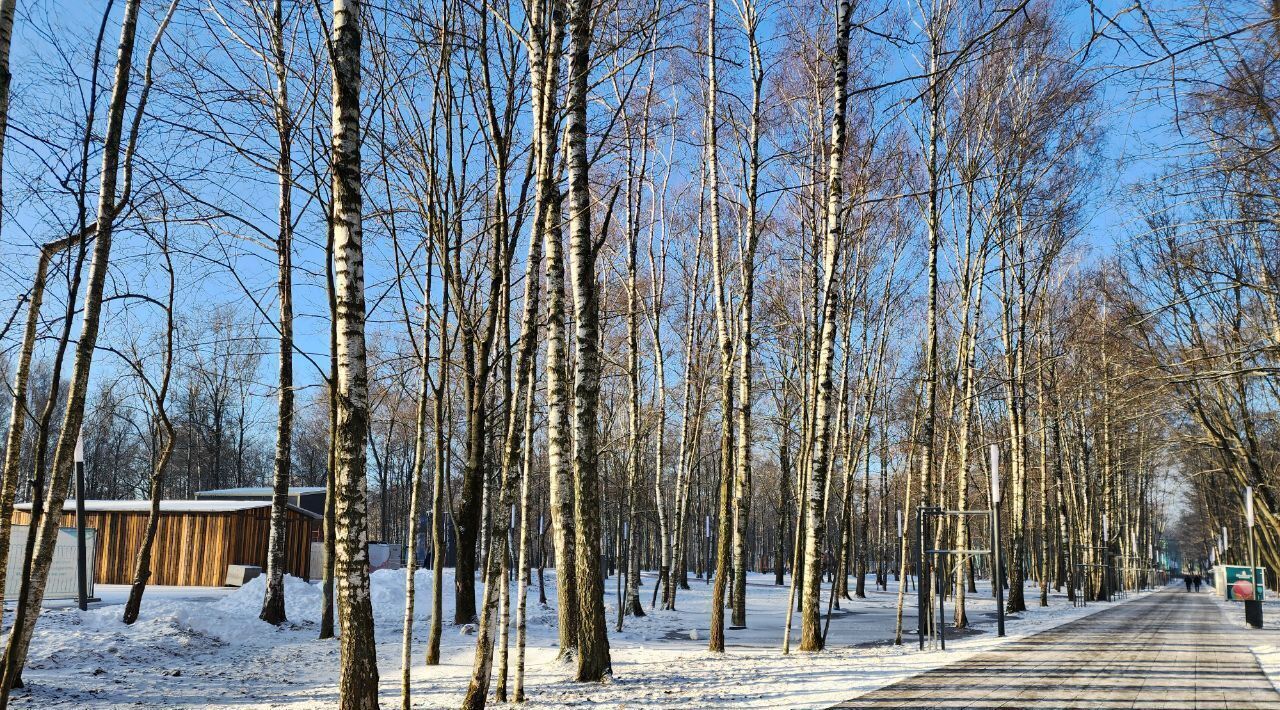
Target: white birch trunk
{"points": [[36, 571], [273, 606], [593, 641], [358, 670], [810, 627]]}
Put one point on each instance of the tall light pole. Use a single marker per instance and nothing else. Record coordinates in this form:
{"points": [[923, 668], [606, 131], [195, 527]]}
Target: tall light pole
{"points": [[1153, 562], [897, 554], [707, 535], [82, 581], [1252, 607], [997, 579], [1106, 556]]}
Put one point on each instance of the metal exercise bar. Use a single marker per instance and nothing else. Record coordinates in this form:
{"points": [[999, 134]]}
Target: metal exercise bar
{"points": [[1108, 585], [1104, 567], [925, 557]]}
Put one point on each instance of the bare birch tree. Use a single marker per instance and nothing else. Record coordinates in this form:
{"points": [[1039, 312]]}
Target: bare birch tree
{"points": [[358, 673], [593, 640], [815, 491]]}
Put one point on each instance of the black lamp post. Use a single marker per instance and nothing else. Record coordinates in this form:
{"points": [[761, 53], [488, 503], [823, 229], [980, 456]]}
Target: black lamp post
{"points": [[1106, 556], [997, 578], [897, 553], [82, 581], [1252, 607]]}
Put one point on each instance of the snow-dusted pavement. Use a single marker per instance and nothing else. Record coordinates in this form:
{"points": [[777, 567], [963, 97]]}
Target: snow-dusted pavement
{"points": [[1169, 650], [196, 648]]}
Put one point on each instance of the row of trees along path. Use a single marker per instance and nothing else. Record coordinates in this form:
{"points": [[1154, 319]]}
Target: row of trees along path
{"points": [[702, 289]]}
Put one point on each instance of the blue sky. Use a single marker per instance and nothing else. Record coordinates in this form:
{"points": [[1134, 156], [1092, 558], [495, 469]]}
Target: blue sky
{"points": [[1138, 134]]}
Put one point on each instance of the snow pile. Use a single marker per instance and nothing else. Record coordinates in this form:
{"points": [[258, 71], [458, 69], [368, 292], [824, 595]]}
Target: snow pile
{"points": [[239, 610], [1269, 660], [1268, 654], [387, 594], [104, 641], [89, 652], [169, 627], [301, 603], [233, 619]]}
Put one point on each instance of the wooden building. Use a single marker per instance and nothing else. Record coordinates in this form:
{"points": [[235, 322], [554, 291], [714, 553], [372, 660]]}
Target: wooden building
{"points": [[195, 539]]}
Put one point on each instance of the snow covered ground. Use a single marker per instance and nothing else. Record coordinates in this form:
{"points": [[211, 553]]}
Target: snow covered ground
{"points": [[1266, 651], [199, 647]]}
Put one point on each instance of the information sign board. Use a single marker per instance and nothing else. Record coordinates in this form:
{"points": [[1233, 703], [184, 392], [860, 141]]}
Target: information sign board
{"points": [[1237, 584]]}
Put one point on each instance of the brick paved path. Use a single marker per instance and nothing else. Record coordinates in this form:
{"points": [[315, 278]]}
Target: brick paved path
{"points": [[1169, 650]]}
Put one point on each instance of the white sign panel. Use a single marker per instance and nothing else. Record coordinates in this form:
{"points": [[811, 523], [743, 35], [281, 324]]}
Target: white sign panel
{"points": [[62, 575], [316, 562]]}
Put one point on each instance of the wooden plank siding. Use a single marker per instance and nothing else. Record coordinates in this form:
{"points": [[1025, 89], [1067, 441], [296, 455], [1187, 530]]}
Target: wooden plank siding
{"points": [[191, 548]]}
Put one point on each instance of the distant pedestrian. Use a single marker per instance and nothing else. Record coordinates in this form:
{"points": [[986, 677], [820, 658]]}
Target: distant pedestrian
{"points": [[1196, 580], [1186, 579]]}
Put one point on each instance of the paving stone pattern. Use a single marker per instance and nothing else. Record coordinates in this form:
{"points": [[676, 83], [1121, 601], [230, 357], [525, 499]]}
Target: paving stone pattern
{"points": [[1169, 650]]}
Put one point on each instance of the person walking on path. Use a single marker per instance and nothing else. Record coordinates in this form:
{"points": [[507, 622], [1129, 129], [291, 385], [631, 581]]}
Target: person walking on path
{"points": [[1186, 579], [1196, 580]]}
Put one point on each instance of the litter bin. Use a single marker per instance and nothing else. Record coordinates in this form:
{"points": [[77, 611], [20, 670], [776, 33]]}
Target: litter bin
{"points": [[1253, 613]]}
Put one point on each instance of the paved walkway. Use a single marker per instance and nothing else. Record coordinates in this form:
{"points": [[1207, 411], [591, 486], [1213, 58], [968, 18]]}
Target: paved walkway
{"points": [[1168, 650]]}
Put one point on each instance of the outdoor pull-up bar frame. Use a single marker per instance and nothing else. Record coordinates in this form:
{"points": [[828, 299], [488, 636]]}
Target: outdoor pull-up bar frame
{"points": [[925, 556]]}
